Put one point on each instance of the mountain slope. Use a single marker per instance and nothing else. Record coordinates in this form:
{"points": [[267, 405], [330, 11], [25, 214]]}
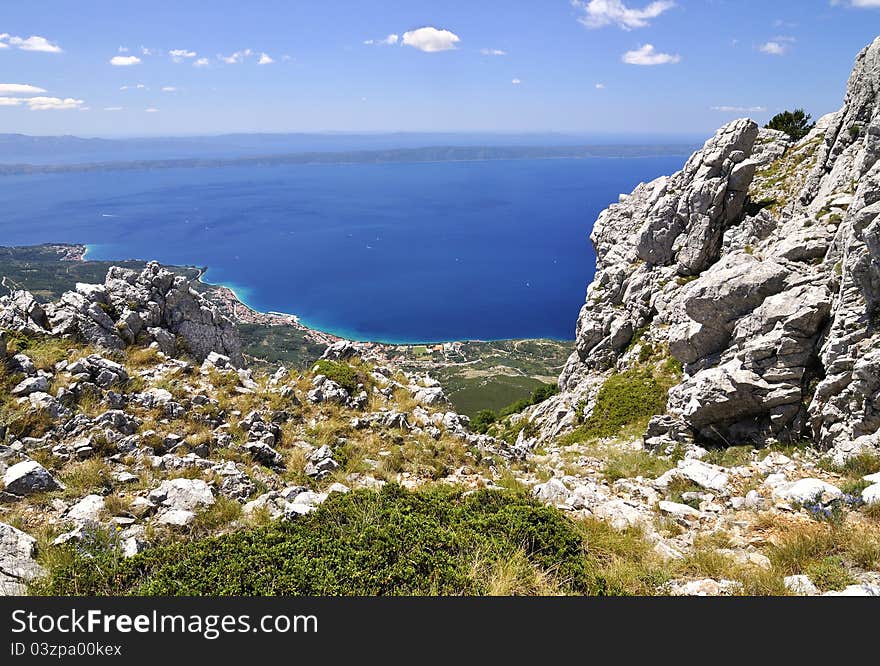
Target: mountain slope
{"points": [[756, 269]]}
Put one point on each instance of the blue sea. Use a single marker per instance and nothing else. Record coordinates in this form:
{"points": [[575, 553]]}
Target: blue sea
{"points": [[387, 252]]}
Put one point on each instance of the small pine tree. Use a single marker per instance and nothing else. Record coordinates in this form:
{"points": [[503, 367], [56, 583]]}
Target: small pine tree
{"points": [[794, 123]]}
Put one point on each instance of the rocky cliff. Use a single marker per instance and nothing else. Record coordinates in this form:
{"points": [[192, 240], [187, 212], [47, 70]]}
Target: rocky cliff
{"points": [[151, 306], [756, 268]]}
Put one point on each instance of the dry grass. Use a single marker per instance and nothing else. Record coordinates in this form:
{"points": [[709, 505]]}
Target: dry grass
{"points": [[84, 478], [514, 576], [142, 357], [829, 551], [116, 505]]}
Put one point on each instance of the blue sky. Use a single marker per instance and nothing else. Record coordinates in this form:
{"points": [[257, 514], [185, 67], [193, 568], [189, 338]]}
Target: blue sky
{"points": [[161, 67]]}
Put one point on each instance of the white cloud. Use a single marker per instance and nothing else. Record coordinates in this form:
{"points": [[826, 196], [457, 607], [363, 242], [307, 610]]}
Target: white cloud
{"points": [[599, 13], [265, 59], [151, 110], [145, 51], [236, 57], [140, 86], [178, 55], [600, 86], [390, 40], [43, 103], [858, 4], [201, 62], [32, 43], [169, 89], [648, 55], [112, 108], [19, 89], [124, 61], [122, 49], [739, 109], [516, 82], [493, 52], [53, 103], [431, 40], [773, 48]]}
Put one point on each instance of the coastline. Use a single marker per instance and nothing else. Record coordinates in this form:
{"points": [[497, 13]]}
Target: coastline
{"points": [[236, 307], [71, 252]]}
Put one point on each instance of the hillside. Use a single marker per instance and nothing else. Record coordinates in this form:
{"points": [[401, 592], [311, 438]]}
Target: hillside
{"points": [[715, 433]]}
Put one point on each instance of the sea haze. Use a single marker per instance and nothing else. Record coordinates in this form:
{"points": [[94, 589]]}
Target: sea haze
{"points": [[396, 252]]}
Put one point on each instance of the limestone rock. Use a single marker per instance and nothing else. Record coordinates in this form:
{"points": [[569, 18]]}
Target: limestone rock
{"points": [[800, 584], [807, 490], [552, 492], [871, 494], [31, 385], [757, 267], [150, 305], [89, 508], [707, 587], [27, 478], [860, 590], [182, 494], [711, 477], [679, 511], [18, 563]]}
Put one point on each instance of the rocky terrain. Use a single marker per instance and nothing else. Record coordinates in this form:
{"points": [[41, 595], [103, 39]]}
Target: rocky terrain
{"points": [[717, 429], [755, 268]]}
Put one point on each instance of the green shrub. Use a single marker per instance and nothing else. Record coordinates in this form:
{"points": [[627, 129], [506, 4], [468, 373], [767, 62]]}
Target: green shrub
{"points": [[794, 123], [829, 574], [624, 399], [390, 542], [341, 373], [855, 467], [483, 419]]}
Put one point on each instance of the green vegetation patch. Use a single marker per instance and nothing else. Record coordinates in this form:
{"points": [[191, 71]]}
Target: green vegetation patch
{"points": [[341, 373], [392, 542], [280, 344], [625, 398], [855, 467], [486, 417]]}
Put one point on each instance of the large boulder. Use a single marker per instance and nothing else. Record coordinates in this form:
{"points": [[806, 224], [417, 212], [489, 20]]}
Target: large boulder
{"points": [[182, 494], [18, 564], [27, 478]]}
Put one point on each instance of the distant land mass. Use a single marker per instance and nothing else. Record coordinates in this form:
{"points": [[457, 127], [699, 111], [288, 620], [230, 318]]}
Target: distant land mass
{"points": [[26, 149], [397, 155]]}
